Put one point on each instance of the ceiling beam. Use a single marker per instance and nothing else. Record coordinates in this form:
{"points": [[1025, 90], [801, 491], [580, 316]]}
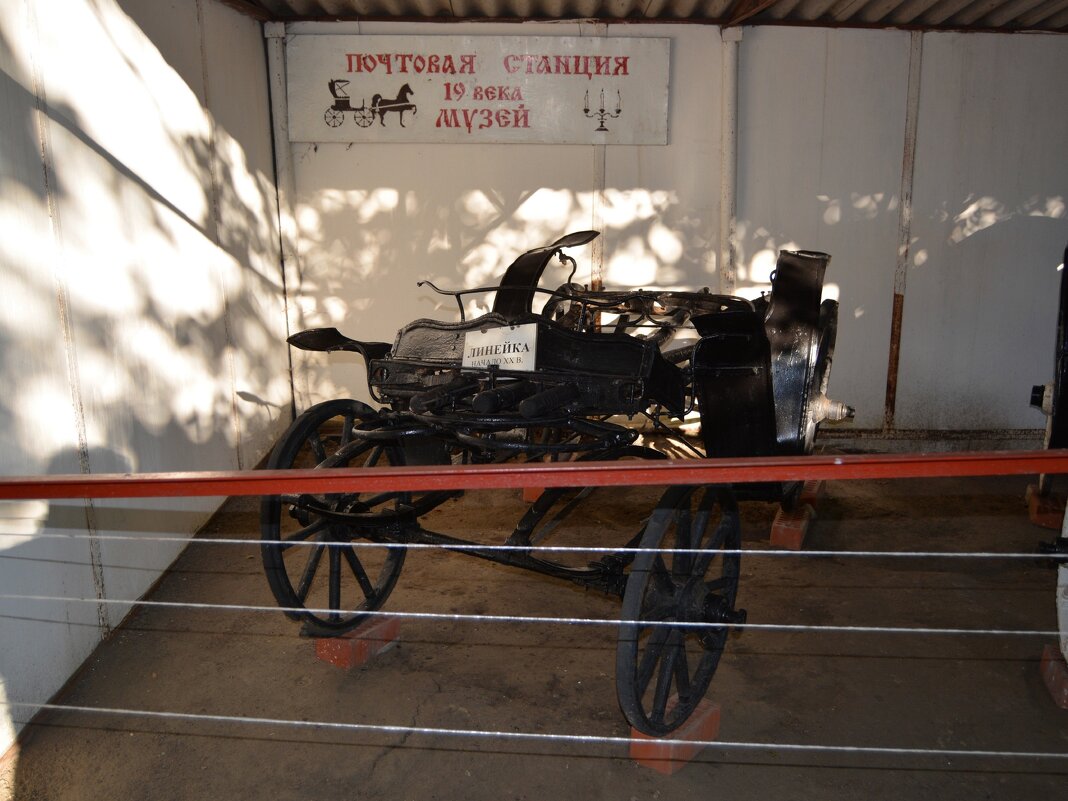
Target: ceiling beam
{"points": [[250, 9], [746, 9]]}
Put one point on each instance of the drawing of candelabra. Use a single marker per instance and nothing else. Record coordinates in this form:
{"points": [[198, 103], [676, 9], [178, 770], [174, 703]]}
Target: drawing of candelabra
{"points": [[601, 114]]}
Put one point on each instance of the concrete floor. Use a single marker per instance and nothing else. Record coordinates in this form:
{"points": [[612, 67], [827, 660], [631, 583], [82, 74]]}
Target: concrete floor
{"points": [[893, 690]]}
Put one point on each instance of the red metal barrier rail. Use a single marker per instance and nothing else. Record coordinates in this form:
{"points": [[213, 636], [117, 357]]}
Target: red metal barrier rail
{"points": [[566, 474]]}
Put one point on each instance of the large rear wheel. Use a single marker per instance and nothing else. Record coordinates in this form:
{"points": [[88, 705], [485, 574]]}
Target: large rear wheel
{"points": [[677, 608]]}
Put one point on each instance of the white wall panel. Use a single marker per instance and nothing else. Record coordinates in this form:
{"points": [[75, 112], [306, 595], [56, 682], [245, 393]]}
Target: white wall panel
{"points": [[143, 319], [661, 204], [38, 431], [989, 230], [821, 133], [247, 226]]}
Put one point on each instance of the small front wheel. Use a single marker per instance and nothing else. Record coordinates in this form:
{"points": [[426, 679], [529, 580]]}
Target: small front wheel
{"points": [[364, 117], [678, 605], [316, 572]]}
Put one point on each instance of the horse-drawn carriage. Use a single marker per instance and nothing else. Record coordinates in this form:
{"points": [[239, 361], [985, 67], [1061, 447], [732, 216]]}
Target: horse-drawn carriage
{"points": [[566, 382], [364, 115]]}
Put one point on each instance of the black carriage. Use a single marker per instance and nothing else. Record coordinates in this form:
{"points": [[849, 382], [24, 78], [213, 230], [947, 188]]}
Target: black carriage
{"points": [[567, 382]]}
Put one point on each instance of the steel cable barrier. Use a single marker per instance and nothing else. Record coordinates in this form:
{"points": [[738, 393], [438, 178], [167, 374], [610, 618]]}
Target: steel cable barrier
{"points": [[544, 475]]}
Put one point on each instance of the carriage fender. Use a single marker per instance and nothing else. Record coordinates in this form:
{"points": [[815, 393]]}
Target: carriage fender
{"points": [[330, 339]]}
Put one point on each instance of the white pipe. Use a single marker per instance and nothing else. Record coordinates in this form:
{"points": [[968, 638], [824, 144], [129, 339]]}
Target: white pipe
{"points": [[285, 184], [728, 179]]}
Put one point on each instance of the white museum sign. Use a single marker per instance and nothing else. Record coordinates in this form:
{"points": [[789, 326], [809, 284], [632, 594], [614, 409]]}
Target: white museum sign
{"points": [[513, 348], [478, 89]]}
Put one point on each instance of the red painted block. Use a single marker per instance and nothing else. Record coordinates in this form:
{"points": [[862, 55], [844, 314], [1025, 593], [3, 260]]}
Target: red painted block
{"points": [[358, 646], [531, 494], [671, 757], [1046, 511], [1055, 674], [788, 530], [811, 492]]}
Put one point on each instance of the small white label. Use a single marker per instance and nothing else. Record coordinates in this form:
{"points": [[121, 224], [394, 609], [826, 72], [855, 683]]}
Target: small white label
{"points": [[511, 348]]}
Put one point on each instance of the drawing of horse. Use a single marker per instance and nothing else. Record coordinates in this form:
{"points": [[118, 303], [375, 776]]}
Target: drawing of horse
{"points": [[381, 106]]}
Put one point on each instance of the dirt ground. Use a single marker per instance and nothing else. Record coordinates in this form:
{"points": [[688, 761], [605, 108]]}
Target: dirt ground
{"points": [[859, 689]]}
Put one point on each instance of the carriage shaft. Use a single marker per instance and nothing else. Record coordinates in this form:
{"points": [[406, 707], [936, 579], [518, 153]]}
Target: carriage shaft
{"points": [[605, 574]]}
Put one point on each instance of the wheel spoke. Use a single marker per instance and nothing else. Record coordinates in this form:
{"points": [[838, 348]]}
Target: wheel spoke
{"points": [[653, 649], [682, 669], [357, 570], [719, 536], [309, 571], [346, 454], [664, 677], [710, 550], [682, 561], [346, 429], [660, 612], [721, 583], [376, 455], [662, 576], [335, 582], [302, 534], [315, 442]]}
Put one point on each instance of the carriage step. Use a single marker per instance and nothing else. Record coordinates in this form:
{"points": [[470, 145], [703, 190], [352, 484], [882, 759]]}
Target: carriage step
{"points": [[359, 646], [1055, 674], [670, 757], [1046, 510]]}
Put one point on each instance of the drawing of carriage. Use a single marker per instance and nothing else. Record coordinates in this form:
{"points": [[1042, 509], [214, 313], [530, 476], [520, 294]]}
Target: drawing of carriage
{"points": [[365, 115], [335, 114]]}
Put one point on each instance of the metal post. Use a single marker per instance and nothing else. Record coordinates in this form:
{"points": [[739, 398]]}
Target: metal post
{"points": [[285, 185]]}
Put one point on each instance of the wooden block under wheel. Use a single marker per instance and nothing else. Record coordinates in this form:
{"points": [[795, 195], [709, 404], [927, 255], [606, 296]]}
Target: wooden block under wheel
{"points": [[670, 757], [359, 646]]}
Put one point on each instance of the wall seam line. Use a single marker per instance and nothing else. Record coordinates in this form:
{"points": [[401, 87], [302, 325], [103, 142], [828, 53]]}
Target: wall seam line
{"points": [[62, 297], [285, 189]]}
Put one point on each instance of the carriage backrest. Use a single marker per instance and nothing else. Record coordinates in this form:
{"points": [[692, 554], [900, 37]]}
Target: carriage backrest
{"points": [[337, 88], [515, 296]]}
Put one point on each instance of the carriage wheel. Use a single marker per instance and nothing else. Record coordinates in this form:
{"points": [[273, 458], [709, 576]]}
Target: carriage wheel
{"points": [[364, 117], [663, 665], [333, 117], [314, 571]]}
